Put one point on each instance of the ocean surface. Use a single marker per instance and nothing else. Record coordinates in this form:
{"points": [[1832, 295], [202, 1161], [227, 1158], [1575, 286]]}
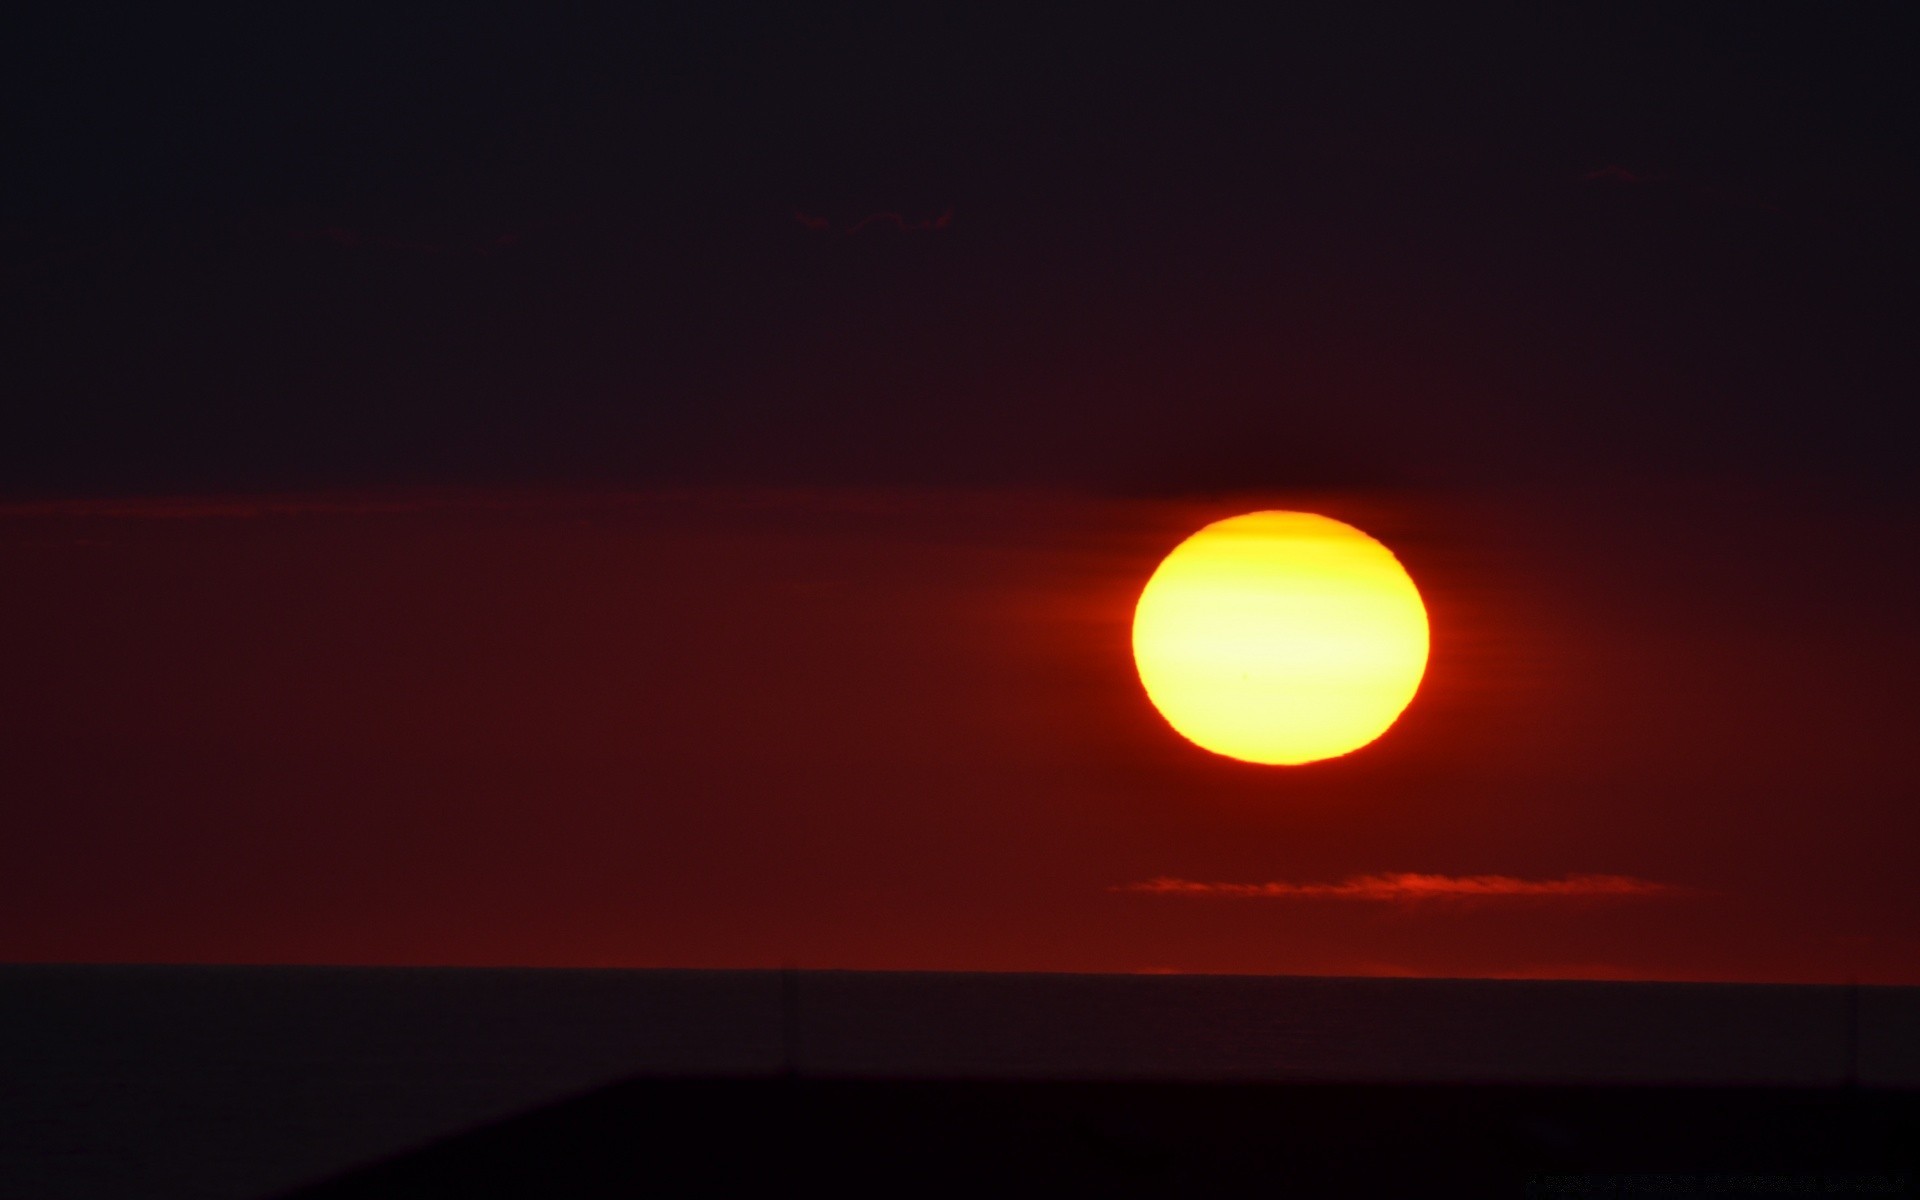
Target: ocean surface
{"points": [[229, 1082]]}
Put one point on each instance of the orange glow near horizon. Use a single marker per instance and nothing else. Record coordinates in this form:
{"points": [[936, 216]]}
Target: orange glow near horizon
{"points": [[1280, 638]]}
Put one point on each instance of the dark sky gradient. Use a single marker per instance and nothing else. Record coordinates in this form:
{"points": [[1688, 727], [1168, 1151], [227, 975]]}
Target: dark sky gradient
{"points": [[459, 504]]}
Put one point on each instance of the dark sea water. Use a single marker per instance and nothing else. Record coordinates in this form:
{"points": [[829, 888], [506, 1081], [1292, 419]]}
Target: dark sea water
{"points": [[161, 1082]]}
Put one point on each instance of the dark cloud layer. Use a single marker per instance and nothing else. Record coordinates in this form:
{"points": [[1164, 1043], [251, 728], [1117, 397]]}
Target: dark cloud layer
{"points": [[286, 251]]}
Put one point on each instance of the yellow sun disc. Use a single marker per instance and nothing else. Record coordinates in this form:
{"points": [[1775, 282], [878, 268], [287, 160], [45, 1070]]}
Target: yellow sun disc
{"points": [[1280, 637]]}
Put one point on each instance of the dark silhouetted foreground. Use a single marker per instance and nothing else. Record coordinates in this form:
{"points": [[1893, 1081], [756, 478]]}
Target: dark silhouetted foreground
{"points": [[679, 1137]]}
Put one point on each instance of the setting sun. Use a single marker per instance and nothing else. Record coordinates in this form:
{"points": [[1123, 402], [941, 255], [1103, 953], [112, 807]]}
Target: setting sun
{"points": [[1280, 638]]}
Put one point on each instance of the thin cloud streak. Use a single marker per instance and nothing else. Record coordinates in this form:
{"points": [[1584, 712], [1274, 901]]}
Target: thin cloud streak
{"points": [[202, 508], [900, 222], [1411, 887], [891, 220], [870, 500]]}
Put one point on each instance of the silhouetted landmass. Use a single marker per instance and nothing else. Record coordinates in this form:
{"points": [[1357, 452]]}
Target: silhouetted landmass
{"points": [[758, 1137]]}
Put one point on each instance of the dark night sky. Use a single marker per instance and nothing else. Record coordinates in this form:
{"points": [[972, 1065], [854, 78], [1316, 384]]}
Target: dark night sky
{"points": [[496, 486]]}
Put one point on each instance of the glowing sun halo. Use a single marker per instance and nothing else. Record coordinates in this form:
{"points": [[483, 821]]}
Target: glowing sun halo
{"points": [[1280, 637]]}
